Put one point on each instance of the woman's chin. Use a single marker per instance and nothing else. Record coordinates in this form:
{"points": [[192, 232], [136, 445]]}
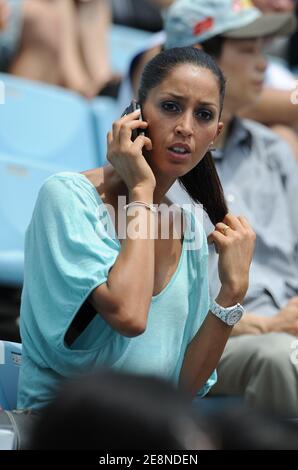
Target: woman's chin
{"points": [[173, 171]]}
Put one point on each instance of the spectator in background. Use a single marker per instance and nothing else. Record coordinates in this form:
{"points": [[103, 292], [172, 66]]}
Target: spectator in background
{"points": [[84, 56], [61, 42], [275, 107], [260, 177]]}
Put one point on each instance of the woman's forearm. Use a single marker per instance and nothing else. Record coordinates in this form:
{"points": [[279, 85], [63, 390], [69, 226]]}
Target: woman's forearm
{"points": [[203, 353], [206, 348], [131, 280], [133, 272], [235, 240]]}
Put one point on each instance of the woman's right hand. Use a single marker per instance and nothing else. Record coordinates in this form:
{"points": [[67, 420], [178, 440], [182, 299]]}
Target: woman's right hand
{"points": [[126, 155], [235, 240]]}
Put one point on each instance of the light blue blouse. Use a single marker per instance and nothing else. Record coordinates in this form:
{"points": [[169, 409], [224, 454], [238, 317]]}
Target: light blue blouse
{"points": [[70, 247]]}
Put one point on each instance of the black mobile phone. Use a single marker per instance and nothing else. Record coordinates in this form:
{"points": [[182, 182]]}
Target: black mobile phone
{"points": [[134, 105]]}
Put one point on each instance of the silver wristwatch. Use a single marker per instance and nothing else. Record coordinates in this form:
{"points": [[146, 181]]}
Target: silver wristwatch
{"points": [[229, 315]]}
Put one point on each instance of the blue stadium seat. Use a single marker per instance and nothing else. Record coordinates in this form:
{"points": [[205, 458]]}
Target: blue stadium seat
{"points": [[124, 43], [19, 185], [10, 361], [105, 110], [47, 124], [43, 130]]}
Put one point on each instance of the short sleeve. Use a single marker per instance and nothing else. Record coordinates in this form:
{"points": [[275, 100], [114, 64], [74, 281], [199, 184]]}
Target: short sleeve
{"points": [[68, 253]]}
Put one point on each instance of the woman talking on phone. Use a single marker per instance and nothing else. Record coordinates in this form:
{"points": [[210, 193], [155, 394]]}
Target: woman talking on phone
{"points": [[100, 289]]}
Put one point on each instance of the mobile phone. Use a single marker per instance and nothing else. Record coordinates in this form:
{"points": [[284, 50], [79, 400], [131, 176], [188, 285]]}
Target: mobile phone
{"points": [[134, 105]]}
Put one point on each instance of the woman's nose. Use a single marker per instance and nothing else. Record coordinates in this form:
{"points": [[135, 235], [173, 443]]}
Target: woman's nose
{"points": [[185, 125]]}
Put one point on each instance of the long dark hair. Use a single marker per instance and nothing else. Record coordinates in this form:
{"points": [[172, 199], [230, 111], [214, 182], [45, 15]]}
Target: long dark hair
{"points": [[202, 182]]}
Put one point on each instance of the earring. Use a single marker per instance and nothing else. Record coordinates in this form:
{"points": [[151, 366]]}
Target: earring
{"points": [[211, 147]]}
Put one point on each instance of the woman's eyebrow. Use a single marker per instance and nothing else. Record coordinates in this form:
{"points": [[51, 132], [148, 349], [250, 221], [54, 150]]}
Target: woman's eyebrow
{"points": [[179, 97]]}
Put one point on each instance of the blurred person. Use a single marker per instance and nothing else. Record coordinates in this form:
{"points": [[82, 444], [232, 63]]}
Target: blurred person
{"points": [[84, 58], [260, 178], [240, 428], [275, 107], [277, 48], [111, 411], [58, 42], [278, 79], [116, 284]]}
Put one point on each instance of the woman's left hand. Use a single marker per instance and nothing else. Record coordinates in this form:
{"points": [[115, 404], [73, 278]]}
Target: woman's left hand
{"points": [[234, 239]]}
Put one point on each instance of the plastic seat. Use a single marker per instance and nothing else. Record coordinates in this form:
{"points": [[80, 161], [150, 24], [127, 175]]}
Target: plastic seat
{"points": [[43, 130], [19, 185], [105, 110], [124, 43], [10, 361], [47, 124]]}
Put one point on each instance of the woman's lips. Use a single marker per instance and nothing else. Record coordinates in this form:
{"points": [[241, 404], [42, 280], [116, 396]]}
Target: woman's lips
{"points": [[179, 157]]}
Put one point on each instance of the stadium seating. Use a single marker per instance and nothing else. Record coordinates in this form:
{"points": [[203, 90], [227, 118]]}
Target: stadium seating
{"points": [[43, 130], [47, 124], [10, 361]]}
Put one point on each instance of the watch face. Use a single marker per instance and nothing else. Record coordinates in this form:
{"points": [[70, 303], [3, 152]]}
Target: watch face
{"points": [[234, 316]]}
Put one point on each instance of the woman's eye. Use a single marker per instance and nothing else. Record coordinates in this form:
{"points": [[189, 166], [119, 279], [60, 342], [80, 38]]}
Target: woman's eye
{"points": [[205, 115], [170, 107]]}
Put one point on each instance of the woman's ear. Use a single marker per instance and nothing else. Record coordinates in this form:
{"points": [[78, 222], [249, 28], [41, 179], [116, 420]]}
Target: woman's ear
{"points": [[219, 128]]}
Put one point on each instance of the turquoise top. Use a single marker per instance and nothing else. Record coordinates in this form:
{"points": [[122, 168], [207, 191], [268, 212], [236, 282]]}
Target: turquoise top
{"points": [[70, 247]]}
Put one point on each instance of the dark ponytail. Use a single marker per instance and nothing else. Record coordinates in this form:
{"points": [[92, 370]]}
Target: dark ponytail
{"points": [[203, 185], [202, 182]]}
